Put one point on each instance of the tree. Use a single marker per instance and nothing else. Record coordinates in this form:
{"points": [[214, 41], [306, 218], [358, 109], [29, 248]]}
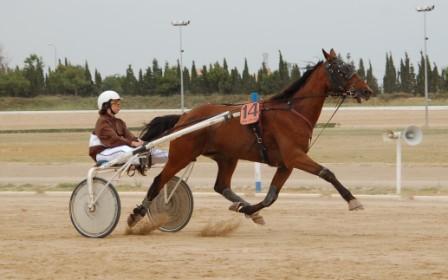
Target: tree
{"points": [[390, 84], [371, 80], [194, 80], [434, 81], [89, 90], [98, 80], [169, 83], [361, 70], [69, 80], [295, 73], [235, 80], [3, 65], [266, 83], [130, 85], [420, 81], [282, 70], [444, 78], [247, 80], [14, 83], [34, 73], [186, 79], [140, 82], [407, 75], [148, 83], [113, 82]]}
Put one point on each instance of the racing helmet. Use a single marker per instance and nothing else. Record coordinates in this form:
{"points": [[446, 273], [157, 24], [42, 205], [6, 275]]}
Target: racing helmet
{"points": [[106, 96]]}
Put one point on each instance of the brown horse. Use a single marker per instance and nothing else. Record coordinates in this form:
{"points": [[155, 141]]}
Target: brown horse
{"points": [[287, 119]]}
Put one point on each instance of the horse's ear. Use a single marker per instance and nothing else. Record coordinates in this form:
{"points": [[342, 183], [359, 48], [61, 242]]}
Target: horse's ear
{"points": [[326, 55], [332, 53]]}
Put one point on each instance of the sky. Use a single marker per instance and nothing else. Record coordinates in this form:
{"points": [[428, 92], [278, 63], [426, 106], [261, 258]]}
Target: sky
{"points": [[112, 34]]}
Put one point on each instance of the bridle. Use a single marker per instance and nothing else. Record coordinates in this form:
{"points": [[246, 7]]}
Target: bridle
{"points": [[339, 73]]}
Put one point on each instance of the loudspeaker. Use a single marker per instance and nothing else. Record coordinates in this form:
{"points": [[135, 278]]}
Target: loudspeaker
{"points": [[412, 135]]}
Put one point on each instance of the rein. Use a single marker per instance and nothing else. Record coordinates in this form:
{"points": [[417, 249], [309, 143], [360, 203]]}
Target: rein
{"points": [[326, 124]]}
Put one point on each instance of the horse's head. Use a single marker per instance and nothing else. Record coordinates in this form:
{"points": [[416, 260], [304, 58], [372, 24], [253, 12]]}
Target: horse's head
{"points": [[343, 79]]}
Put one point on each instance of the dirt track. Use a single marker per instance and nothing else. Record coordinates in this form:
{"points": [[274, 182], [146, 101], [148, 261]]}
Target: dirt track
{"points": [[303, 239]]}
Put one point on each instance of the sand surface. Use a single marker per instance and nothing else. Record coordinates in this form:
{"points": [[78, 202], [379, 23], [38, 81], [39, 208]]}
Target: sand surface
{"points": [[304, 238]]}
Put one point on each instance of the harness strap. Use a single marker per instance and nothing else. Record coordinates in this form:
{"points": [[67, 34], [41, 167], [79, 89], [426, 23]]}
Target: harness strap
{"points": [[256, 129], [288, 106], [307, 121]]}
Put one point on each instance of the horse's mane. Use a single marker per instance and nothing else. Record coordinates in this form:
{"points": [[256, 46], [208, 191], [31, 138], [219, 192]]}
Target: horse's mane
{"points": [[288, 92]]}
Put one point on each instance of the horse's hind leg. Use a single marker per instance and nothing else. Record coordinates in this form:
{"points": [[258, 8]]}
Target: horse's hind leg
{"points": [[173, 166], [280, 177], [226, 167]]}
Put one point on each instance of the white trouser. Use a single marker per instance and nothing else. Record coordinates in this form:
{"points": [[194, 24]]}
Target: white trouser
{"points": [[157, 155]]}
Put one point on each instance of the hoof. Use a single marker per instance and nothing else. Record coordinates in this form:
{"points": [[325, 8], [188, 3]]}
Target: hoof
{"points": [[236, 206], [256, 218], [354, 204], [137, 214]]}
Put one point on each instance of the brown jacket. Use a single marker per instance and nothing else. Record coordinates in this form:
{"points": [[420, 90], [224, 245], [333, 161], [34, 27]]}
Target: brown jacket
{"points": [[112, 132]]}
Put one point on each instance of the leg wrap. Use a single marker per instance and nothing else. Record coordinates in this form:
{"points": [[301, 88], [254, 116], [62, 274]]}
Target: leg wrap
{"points": [[327, 175], [271, 196], [233, 197], [146, 202], [152, 191]]}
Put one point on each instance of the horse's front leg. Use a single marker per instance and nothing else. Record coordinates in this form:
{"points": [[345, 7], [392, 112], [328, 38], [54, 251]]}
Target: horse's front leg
{"points": [[353, 203], [305, 163], [280, 177]]}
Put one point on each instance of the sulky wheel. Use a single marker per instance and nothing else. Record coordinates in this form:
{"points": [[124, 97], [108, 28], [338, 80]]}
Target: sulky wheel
{"points": [[178, 207], [100, 220]]}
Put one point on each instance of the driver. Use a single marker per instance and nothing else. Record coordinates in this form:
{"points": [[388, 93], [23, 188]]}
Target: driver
{"points": [[111, 137]]}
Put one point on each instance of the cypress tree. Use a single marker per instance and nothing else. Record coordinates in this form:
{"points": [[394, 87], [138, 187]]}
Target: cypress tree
{"points": [[434, 81], [148, 84], [130, 82], [420, 85], [407, 77], [295, 73], [246, 79], [235, 79], [140, 82], [282, 70], [361, 70], [371, 80], [390, 77], [98, 79], [444, 78], [87, 73], [186, 78], [194, 81]]}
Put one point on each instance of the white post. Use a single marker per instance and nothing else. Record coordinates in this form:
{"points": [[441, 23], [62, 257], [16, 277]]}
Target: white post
{"points": [[398, 165], [257, 175], [424, 10], [426, 71], [180, 24], [181, 72]]}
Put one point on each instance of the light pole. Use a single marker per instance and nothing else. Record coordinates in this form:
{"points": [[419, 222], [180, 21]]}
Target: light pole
{"points": [[180, 24], [55, 55], [425, 9]]}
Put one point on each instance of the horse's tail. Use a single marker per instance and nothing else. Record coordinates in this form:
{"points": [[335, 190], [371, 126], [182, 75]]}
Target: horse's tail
{"points": [[158, 126]]}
